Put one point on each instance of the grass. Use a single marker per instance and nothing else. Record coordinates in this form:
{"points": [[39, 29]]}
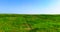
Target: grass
{"points": [[29, 23]]}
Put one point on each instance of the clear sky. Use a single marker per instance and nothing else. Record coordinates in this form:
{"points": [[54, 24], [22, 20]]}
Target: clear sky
{"points": [[30, 6]]}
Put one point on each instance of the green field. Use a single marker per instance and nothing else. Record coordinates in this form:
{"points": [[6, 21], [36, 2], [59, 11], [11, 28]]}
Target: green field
{"points": [[29, 23]]}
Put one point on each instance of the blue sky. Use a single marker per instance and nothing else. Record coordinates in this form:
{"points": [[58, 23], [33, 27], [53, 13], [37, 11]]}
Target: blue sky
{"points": [[30, 6]]}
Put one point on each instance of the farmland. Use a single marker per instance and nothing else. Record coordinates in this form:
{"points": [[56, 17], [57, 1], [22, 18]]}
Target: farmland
{"points": [[29, 23]]}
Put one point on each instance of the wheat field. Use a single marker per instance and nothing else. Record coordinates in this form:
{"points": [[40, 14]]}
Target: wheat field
{"points": [[29, 23]]}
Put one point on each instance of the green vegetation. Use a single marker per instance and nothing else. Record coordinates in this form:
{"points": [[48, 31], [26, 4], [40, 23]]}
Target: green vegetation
{"points": [[29, 23]]}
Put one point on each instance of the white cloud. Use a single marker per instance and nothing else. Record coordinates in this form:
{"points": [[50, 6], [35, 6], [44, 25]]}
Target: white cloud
{"points": [[53, 9]]}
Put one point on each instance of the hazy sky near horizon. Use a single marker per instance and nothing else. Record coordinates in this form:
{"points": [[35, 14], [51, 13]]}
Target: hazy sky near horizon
{"points": [[30, 6]]}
